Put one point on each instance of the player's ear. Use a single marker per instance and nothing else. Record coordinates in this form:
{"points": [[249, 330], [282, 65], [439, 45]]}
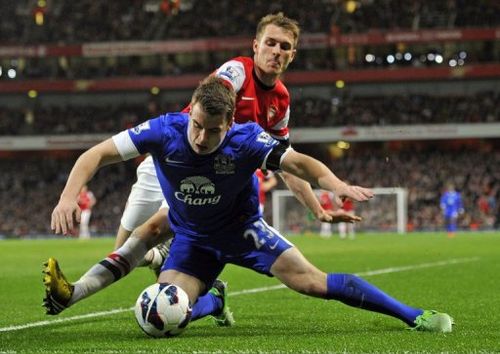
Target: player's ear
{"points": [[255, 45], [230, 123]]}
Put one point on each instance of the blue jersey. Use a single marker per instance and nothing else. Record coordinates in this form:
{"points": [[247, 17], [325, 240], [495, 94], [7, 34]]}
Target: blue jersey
{"points": [[206, 193], [451, 203]]}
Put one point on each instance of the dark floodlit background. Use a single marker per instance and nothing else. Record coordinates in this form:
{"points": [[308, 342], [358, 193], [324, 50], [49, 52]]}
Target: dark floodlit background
{"points": [[387, 93]]}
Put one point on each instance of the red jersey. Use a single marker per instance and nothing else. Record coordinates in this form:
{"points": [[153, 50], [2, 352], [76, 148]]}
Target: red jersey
{"points": [[85, 200], [325, 200], [262, 177], [267, 106], [348, 205]]}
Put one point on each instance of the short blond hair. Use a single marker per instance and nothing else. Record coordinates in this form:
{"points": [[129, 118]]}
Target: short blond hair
{"points": [[282, 21]]}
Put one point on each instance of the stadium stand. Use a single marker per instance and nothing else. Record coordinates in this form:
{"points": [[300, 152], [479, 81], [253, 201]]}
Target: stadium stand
{"points": [[30, 186], [91, 21], [484, 107]]}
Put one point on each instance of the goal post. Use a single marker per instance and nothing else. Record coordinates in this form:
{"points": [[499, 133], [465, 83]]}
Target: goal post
{"points": [[386, 212]]}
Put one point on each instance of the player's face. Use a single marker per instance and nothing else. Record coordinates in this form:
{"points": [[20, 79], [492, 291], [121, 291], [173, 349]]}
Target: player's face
{"points": [[206, 132], [273, 52]]}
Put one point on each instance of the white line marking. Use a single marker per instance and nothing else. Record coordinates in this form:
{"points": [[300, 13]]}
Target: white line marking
{"points": [[369, 273], [66, 319], [242, 292]]}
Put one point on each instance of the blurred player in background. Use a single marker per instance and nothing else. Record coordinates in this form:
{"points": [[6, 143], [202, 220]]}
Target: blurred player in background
{"points": [[267, 181], [325, 199], [347, 229], [86, 201], [451, 206]]}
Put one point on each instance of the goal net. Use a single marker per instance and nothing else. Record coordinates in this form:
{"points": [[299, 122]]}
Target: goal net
{"points": [[386, 212]]}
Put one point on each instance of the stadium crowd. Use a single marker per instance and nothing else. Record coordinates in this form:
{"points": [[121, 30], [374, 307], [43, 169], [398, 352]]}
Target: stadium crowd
{"points": [[29, 188], [424, 170], [91, 21], [202, 63], [392, 110], [60, 120], [306, 112]]}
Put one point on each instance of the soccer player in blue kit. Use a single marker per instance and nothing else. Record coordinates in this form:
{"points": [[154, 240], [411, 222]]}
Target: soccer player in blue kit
{"points": [[451, 205], [205, 165]]}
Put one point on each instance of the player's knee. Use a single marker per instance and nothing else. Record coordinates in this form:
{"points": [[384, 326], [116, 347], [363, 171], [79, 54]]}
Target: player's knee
{"points": [[310, 286], [311, 283]]}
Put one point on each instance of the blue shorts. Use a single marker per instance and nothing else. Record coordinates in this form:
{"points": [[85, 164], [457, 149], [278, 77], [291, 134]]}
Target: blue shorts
{"points": [[255, 246]]}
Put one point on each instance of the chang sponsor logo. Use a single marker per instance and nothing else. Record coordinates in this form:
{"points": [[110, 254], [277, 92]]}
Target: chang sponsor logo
{"points": [[197, 190]]}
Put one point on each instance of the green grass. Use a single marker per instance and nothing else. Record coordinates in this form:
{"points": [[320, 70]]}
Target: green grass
{"points": [[270, 321]]}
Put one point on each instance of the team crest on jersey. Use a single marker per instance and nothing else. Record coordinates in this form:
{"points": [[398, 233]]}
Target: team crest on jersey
{"points": [[141, 127], [271, 113], [231, 73], [265, 138], [197, 190], [224, 165]]}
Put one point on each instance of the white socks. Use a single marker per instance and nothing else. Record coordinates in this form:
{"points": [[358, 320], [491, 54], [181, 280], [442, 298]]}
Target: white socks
{"points": [[115, 266]]}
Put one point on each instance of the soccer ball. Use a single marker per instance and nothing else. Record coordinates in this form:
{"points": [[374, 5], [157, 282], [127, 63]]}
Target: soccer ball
{"points": [[163, 310]]}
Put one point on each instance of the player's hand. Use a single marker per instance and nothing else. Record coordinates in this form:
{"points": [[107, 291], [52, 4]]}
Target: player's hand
{"points": [[336, 216], [356, 193], [65, 216]]}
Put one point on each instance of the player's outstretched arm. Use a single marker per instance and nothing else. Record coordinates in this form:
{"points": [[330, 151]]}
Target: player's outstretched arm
{"points": [[67, 211], [304, 194], [316, 173]]}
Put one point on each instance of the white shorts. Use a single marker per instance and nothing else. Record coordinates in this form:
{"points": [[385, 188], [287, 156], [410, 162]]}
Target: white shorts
{"points": [[145, 197]]}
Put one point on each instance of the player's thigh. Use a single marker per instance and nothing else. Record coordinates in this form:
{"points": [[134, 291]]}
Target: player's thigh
{"points": [[141, 205], [256, 246], [297, 273], [198, 261]]}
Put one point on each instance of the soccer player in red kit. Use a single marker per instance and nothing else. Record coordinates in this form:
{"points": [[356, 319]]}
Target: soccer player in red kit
{"points": [[266, 183], [325, 200], [345, 228], [86, 200]]}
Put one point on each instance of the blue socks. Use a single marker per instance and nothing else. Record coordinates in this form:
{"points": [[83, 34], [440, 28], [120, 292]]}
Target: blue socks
{"points": [[207, 304], [347, 288], [354, 291]]}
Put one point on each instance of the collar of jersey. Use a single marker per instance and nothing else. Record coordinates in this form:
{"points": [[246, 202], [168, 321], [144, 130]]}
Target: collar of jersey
{"points": [[260, 83]]}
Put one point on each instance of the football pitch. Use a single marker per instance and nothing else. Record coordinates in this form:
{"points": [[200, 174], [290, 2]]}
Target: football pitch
{"points": [[459, 276]]}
